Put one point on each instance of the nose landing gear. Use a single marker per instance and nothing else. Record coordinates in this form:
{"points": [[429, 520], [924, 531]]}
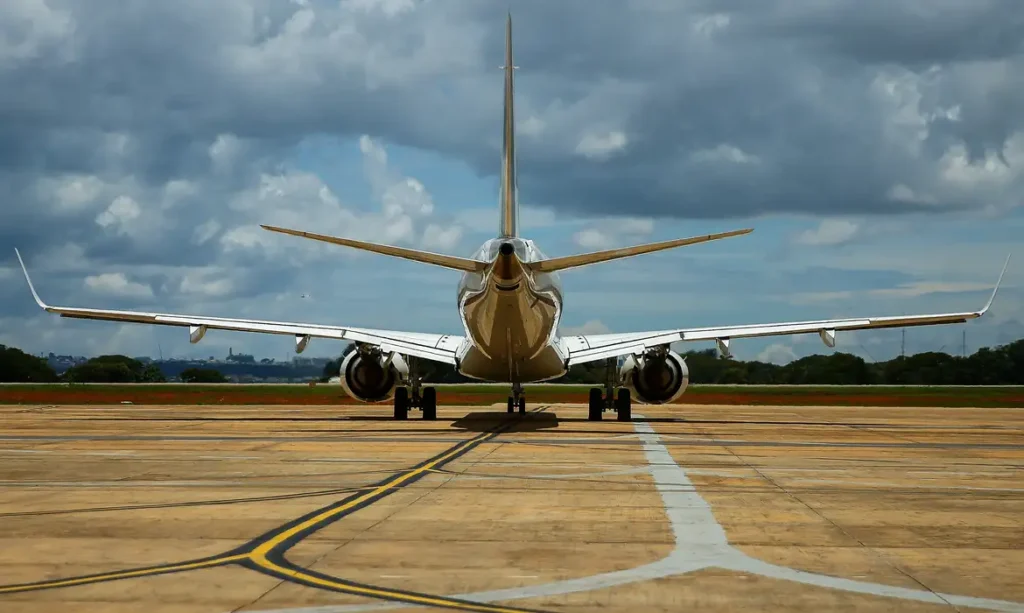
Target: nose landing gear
{"points": [[517, 399]]}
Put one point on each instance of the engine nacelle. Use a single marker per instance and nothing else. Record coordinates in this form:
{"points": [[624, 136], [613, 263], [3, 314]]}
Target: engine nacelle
{"points": [[657, 377], [369, 375]]}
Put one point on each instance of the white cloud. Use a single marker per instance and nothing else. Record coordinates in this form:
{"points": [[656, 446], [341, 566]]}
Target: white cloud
{"points": [[902, 193], [388, 7], [640, 226], [958, 170], [591, 238], [119, 215], [116, 284], [117, 145], [407, 197], [724, 153], [247, 237], [200, 282], [602, 146], [829, 232], [707, 25], [532, 126], [177, 189], [71, 191], [40, 26], [610, 233], [777, 353], [224, 151], [485, 219], [300, 200], [206, 231], [898, 92], [441, 238]]}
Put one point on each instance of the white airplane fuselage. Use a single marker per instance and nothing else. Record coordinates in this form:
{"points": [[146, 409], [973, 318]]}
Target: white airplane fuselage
{"points": [[510, 315]]}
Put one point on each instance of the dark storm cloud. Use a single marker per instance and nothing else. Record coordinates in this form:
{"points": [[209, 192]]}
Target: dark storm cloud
{"points": [[727, 108], [916, 33]]}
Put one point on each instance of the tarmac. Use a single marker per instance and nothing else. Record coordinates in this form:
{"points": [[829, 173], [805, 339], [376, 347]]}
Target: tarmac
{"points": [[337, 509]]}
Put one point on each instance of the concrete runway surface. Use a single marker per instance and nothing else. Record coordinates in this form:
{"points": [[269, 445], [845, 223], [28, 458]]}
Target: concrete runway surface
{"points": [[338, 509]]}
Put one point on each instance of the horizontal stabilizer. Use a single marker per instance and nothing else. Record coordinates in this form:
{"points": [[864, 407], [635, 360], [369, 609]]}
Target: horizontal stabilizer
{"points": [[437, 259], [583, 259]]}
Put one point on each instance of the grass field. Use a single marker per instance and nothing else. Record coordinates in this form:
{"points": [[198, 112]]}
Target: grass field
{"points": [[323, 393]]}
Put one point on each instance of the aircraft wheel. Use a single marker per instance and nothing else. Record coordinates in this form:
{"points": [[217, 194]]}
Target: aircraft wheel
{"points": [[429, 403], [511, 404], [402, 403], [622, 405], [522, 404], [596, 404]]}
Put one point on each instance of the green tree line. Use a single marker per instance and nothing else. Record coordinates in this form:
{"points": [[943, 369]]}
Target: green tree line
{"points": [[1002, 365], [16, 366]]}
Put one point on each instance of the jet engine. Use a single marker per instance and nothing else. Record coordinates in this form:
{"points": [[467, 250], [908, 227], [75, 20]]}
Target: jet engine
{"points": [[369, 375], [659, 376]]}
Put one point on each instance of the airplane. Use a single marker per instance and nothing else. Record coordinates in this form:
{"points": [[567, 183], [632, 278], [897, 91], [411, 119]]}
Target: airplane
{"points": [[510, 304]]}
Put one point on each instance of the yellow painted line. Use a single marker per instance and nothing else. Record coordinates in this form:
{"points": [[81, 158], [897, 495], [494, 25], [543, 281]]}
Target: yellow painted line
{"points": [[260, 553], [27, 587], [383, 593]]}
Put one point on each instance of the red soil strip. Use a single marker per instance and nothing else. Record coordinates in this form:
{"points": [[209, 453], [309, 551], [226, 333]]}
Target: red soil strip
{"points": [[142, 395]]}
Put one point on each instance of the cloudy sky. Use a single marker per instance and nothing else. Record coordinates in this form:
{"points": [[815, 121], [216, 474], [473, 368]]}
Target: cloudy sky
{"points": [[877, 148]]}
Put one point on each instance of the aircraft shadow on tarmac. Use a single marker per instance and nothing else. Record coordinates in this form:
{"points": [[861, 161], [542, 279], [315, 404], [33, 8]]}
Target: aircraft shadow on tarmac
{"points": [[483, 421]]}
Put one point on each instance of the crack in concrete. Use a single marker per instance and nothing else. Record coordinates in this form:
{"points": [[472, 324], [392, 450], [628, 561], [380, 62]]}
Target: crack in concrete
{"points": [[701, 543]]}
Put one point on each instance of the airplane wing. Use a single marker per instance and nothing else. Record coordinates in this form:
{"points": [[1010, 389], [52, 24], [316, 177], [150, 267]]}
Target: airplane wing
{"points": [[435, 347], [593, 347]]}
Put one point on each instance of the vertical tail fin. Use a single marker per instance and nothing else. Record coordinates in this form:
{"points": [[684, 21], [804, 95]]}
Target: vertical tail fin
{"points": [[508, 194]]}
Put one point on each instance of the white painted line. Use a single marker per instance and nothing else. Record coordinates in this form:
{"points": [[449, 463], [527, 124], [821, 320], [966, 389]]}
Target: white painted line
{"points": [[701, 543]]}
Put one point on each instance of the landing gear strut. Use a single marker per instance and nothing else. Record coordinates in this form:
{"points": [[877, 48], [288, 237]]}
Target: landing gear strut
{"points": [[414, 396], [599, 403], [517, 399]]}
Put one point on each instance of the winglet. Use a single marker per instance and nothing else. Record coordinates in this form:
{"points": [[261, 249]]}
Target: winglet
{"points": [[996, 288], [35, 295]]}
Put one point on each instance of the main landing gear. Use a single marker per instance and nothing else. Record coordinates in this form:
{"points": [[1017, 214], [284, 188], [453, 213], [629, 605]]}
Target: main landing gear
{"points": [[620, 403], [517, 399], [426, 402], [411, 397]]}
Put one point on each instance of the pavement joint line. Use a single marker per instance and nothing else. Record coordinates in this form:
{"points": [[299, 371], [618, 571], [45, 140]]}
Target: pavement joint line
{"points": [[266, 553], [878, 555], [700, 543]]}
